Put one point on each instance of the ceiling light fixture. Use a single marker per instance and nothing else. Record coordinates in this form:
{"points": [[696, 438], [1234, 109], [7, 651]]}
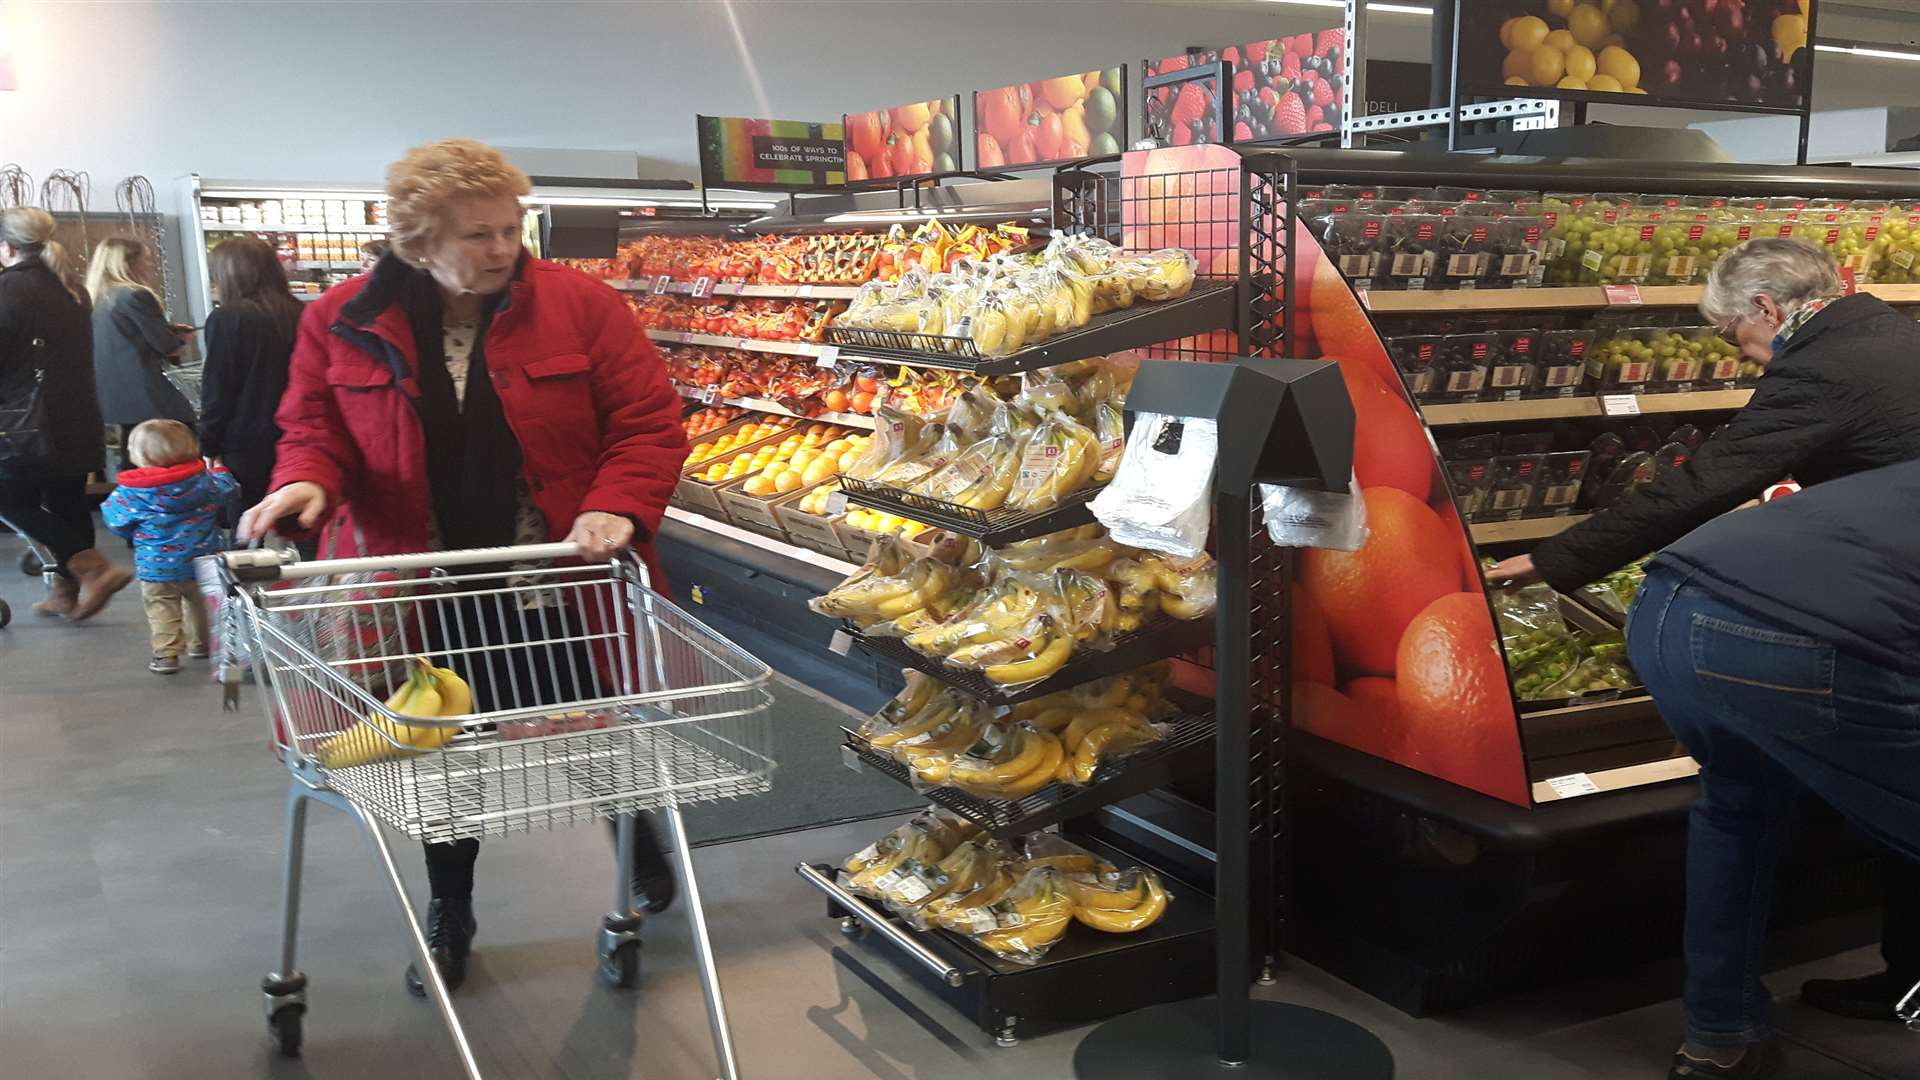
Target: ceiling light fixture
{"points": [[1868, 50], [1396, 9]]}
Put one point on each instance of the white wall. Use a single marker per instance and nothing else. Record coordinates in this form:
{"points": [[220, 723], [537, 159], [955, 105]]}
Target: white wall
{"points": [[332, 91]]}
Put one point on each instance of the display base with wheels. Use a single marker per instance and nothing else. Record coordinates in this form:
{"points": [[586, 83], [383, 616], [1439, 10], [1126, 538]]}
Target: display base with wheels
{"points": [[1286, 1042]]}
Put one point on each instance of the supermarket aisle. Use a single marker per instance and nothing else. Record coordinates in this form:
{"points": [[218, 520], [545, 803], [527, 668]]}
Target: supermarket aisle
{"points": [[139, 839]]}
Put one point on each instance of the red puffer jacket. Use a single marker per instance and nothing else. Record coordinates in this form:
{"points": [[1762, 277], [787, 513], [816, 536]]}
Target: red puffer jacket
{"points": [[583, 389]]}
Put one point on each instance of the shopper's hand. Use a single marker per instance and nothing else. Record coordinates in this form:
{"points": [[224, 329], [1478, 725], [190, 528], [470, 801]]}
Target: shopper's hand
{"points": [[1515, 571], [599, 534], [304, 500]]}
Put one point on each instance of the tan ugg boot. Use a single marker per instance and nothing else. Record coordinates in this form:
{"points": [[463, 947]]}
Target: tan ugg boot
{"points": [[99, 579], [62, 594]]}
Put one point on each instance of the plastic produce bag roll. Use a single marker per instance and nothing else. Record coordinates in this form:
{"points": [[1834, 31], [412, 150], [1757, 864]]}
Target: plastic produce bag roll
{"points": [[1161, 497]]}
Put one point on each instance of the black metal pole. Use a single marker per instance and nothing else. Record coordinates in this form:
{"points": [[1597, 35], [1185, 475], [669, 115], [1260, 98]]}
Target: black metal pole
{"points": [[1806, 84], [1453, 77], [1440, 77], [1232, 815]]}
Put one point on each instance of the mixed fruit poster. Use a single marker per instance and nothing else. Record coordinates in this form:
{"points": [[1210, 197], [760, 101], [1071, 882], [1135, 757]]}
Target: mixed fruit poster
{"points": [[1749, 51], [1050, 120], [917, 139], [1279, 87], [1394, 649]]}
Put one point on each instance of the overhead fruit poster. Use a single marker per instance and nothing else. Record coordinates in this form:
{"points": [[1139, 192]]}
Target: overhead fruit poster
{"points": [[1281, 87], [920, 139], [1393, 647], [1753, 52], [1045, 121], [770, 155]]}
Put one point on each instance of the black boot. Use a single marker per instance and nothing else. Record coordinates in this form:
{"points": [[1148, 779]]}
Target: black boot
{"points": [[653, 883], [1762, 1059], [450, 930], [1872, 997]]}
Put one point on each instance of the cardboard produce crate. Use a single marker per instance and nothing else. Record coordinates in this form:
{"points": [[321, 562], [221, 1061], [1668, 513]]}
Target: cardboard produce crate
{"points": [[702, 497], [815, 532]]}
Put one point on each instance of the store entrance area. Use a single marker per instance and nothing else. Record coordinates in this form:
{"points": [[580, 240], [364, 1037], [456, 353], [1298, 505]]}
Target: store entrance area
{"points": [[140, 837]]}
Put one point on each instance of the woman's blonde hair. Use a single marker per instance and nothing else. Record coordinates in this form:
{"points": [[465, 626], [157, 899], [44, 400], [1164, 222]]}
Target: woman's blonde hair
{"points": [[421, 185], [29, 230], [112, 267], [157, 444]]}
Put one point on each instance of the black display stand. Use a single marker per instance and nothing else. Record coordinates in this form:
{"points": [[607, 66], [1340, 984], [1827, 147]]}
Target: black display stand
{"points": [[1282, 422]]}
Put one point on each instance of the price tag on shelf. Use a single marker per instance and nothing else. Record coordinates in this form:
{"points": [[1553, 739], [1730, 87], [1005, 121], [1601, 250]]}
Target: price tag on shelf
{"points": [[1849, 281], [828, 356], [1572, 784], [836, 503], [1623, 295], [702, 287], [1366, 297], [1620, 404], [743, 343], [709, 393], [662, 284], [842, 643], [851, 759], [804, 292]]}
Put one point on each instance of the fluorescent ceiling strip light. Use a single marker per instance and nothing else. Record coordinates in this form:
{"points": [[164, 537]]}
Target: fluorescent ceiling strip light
{"points": [[1861, 50], [1396, 9]]}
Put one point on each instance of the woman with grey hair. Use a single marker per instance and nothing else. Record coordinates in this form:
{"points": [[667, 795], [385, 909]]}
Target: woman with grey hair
{"points": [[1841, 395]]}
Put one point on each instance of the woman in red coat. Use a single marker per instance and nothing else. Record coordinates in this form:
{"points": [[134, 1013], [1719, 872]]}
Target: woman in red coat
{"points": [[465, 395]]}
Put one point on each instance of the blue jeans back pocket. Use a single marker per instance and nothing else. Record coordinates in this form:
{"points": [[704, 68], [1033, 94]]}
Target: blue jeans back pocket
{"points": [[1770, 677]]}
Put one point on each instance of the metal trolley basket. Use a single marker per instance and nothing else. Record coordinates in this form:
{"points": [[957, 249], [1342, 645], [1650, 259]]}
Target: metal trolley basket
{"points": [[606, 700]]}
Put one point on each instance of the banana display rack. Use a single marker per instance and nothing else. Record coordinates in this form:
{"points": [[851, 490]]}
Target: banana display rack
{"points": [[600, 699]]}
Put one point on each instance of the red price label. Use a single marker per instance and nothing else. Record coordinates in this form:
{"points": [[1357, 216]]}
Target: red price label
{"points": [[1623, 296]]}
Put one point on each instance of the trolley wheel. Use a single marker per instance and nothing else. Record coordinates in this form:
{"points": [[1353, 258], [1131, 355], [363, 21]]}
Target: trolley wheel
{"points": [[622, 968], [285, 1026], [852, 927], [30, 564], [6, 614]]}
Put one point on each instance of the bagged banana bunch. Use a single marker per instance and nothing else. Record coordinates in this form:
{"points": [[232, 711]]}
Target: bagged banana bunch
{"points": [[1136, 691], [967, 870], [938, 444], [1022, 925], [1084, 547], [1166, 274], [887, 587], [892, 722], [926, 838], [962, 910], [1007, 761], [931, 746], [1103, 735], [895, 431], [1059, 459], [1117, 901], [1027, 654], [1090, 608], [1188, 587], [1052, 851]]}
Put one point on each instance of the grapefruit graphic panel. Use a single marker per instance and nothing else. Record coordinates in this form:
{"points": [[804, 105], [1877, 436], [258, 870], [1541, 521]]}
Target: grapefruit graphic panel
{"points": [[1370, 595], [1455, 707]]}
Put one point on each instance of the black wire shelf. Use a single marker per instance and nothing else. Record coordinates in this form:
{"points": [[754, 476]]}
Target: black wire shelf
{"points": [[991, 527], [1187, 749], [1208, 307], [1164, 637]]}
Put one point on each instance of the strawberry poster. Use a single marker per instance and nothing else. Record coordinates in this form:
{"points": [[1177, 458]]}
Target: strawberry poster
{"points": [[1045, 121], [1280, 87], [1393, 648]]}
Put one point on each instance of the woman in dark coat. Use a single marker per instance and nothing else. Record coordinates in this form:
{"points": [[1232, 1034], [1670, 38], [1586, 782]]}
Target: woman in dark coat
{"points": [[249, 342], [132, 341], [1841, 395], [45, 336]]}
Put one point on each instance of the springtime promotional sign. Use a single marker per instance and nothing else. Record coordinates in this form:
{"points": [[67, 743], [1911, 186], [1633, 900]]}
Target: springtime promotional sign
{"points": [[776, 155]]}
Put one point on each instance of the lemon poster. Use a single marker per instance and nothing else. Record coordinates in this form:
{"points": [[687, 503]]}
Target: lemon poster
{"points": [[1699, 52], [774, 155]]}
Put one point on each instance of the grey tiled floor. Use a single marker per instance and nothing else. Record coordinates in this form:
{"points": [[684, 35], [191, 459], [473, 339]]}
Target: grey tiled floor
{"points": [[139, 839]]}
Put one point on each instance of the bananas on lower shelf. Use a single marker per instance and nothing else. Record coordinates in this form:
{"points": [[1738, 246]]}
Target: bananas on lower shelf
{"points": [[1118, 903], [926, 839], [428, 692]]}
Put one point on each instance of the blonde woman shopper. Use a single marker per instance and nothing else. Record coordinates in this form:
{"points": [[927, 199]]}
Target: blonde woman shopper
{"points": [[132, 342], [46, 385]]}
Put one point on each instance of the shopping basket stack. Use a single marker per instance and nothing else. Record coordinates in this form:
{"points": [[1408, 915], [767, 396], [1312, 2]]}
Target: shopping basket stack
{"points": [[592, 697]]}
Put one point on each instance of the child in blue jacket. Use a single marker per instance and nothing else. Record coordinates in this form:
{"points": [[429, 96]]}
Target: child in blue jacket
{"points": [[170, 507]]}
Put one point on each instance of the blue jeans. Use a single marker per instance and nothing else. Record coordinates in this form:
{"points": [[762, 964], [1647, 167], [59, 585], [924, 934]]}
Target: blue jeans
{"points": [[1769, 713]]}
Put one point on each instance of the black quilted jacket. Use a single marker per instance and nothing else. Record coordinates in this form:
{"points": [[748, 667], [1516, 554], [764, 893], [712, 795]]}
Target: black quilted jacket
{"points": [[1842, 397]]}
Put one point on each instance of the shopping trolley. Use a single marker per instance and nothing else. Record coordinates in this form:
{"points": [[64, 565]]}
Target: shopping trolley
{"points": [[609, 700], [1909, 1008], [35, 560]]}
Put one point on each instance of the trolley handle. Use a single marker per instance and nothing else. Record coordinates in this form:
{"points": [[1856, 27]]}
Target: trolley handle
{"points": [[266, 565]]}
